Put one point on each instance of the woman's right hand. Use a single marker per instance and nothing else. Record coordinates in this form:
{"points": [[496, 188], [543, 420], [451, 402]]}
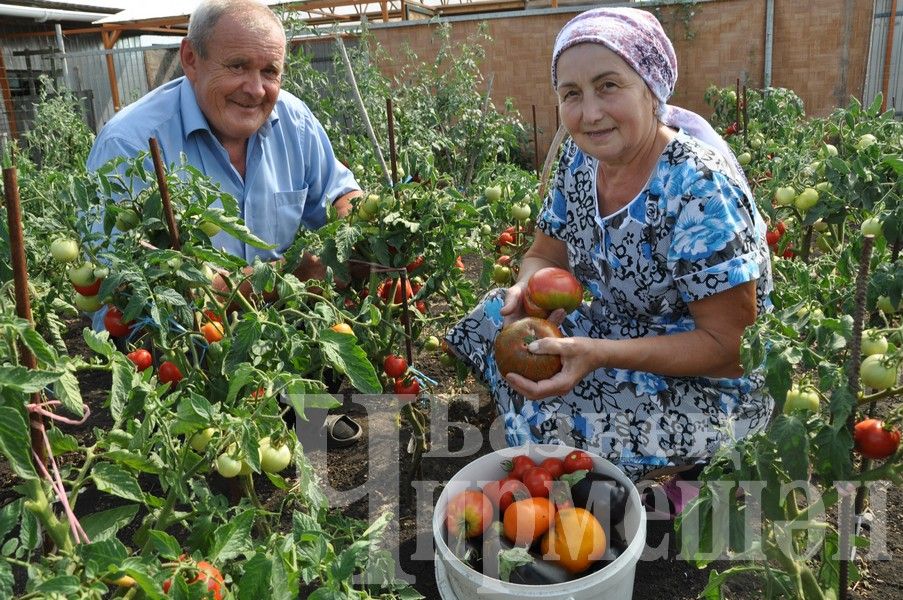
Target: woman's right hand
{"points": [[513, 309]]}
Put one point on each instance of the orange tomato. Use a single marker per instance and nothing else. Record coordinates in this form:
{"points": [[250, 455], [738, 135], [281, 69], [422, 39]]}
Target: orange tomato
{"points": [[213, 331], [342, 328], [526, 520], [575, 541]]}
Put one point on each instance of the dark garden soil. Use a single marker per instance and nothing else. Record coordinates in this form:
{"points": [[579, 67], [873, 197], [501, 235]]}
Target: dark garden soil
{"points": [[373, 477]]}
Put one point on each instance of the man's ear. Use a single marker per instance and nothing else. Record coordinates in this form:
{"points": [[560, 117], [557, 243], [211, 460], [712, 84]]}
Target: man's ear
{"points": [[189, 58]]}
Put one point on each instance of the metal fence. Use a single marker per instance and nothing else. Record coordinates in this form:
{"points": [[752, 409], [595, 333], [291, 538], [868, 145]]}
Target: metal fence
{"points": [[875, 71]]}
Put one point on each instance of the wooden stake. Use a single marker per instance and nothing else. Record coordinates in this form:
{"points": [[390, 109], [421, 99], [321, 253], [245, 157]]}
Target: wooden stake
{"points": [[23, 302], [175, 244], [393, 157]]}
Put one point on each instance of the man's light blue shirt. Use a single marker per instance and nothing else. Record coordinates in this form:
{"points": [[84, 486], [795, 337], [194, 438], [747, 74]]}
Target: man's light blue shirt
{"points": [[291, 171]]}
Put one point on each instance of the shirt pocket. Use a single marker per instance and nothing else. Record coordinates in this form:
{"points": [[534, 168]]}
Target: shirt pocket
{"points": [[285, 218]]}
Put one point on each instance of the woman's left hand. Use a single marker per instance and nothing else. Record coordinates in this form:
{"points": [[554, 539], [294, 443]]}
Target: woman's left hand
{"points": [[577, 360]]}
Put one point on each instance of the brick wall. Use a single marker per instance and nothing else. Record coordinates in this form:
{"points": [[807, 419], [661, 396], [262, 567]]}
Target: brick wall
{"points": [[820, 50]]}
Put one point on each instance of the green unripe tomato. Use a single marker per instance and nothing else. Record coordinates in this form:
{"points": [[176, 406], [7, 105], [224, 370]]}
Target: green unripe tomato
{"points": [[273, 459], [227, 466], [871, 227], [200, 439], [829, 150], [866, 141], [806, 199], [486, 229], [64, 250], [431, 344], [873, 343], [744, 158], [820, 226], [883, 304], [824, 186], [520, 211], [876, 373], [82, 275], [209, 228], [801, 399], [784, 196], [493, 193], [371, 204], [87, 303], [127, 219], [501, 274]]}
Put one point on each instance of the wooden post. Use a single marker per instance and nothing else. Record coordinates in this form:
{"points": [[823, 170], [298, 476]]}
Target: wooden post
{"points": [[8, 99], [109, 38], [174, 243], [888, 51], [23, 303], [385, 10]]}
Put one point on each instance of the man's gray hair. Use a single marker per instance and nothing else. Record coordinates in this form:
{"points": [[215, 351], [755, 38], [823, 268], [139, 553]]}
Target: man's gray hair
{"points": [[255, 15]]}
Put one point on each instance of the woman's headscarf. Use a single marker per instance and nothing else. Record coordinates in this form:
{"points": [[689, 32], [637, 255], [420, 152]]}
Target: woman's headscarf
{"points": [[638, 38]]}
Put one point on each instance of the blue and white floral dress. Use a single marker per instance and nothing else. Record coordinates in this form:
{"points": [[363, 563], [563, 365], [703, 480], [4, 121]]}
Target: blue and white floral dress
{"points": [[691, 233]]}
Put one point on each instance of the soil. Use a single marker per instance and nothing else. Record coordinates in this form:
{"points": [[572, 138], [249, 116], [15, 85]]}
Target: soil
{"points": [[373, 476]]}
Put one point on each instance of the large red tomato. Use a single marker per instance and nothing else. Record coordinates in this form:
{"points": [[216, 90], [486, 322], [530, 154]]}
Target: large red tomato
{"points": [[511, 352], [552, 288], [873, 440], [206, 573], [530, 306], [114, 324]]}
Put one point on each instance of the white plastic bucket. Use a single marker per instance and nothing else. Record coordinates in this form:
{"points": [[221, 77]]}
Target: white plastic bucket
{"points": [[458, 581]]}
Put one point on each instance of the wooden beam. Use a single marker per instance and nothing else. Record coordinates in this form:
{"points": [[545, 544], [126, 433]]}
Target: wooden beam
{"points": [[7, 99], [109, 37], [481, 7]]}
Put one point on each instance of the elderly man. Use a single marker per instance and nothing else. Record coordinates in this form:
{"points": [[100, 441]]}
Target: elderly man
{"points": [[234, 123]]}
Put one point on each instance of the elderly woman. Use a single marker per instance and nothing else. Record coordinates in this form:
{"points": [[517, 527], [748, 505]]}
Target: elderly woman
{"points": [[651, 212]]}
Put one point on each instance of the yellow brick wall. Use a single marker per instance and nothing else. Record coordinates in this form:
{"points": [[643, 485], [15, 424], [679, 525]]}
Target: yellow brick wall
{"points": [[820, 50]]}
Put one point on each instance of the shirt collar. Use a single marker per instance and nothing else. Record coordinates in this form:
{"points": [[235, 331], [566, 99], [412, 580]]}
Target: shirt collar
{"points": [[194, 120]]}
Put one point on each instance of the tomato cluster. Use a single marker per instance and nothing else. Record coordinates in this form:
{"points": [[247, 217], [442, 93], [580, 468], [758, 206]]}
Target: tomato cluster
{"points": [[549, 508]]}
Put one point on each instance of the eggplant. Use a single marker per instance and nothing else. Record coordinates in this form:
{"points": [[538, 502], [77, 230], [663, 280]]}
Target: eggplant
{"points": [[596, 491], [482, 555]]}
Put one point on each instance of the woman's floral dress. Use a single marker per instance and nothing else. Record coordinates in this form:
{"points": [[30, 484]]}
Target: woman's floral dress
{"points": [[692, 232]]}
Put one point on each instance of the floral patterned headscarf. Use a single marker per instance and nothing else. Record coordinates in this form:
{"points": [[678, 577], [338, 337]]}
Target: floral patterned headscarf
{"points": [[638, 38]]}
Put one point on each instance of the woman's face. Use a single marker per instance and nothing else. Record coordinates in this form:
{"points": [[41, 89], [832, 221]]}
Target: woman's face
{"points": [[606, 107]]}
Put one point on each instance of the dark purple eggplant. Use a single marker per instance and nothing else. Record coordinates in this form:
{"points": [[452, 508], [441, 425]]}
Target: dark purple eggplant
{"points": [[483, 556], [601, 495]]}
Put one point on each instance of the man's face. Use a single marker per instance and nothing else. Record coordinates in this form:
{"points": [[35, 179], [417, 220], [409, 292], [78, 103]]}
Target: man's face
{"points": [[238, 83]]}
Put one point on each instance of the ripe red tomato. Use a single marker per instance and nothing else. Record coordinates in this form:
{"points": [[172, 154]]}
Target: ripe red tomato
{"points": [[528, 519], [141, 357], [772, 237], [415, 264], [788, 252], [512, 356], [206, 573], [555, 467], [407, 386], [88, 290], [212, 332], [212, 315], [505, 491], [468, 514], [386, 287], [578, 460], [520, 465], [873, 441], [538, 482], [395, 366], [505, 239], [780, 227], [552, 288], [169, 373], [112, 321]]}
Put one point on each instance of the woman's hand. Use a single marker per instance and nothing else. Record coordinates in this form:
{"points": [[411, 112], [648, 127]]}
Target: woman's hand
{"points": [[578, 358], [513, 309]]}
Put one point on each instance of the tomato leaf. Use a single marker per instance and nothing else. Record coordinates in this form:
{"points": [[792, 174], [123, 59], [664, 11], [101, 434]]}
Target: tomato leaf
{"points": [[344, 353], [15, 444], [512, 558], [255, 578], [233, 538], [105, 524], [788, 434], [99, 555], [166, 545], [67, 391], [115, 480], [21, 380]]}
